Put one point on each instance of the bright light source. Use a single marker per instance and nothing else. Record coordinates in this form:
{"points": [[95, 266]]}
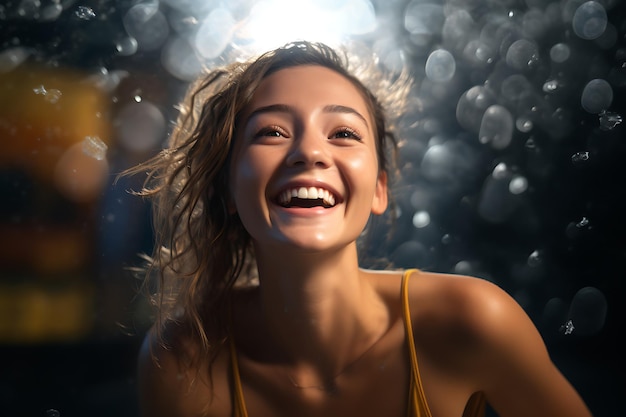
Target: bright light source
{"points": [[273, 23]]}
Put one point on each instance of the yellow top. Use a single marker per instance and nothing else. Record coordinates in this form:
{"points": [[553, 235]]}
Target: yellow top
{"points": [[417, 407]]}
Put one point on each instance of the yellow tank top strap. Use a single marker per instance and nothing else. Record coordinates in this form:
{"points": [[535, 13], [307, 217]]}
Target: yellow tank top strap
{"points": [[239, 403], [418, 406]]}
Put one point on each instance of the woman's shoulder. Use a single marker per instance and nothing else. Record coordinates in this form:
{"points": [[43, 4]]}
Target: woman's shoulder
{"points": [[438, 293], [449, 299], [472, 322], [474, 304]]}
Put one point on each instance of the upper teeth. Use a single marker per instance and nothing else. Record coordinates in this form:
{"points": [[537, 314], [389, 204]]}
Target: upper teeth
{"points": [[308, 193]]}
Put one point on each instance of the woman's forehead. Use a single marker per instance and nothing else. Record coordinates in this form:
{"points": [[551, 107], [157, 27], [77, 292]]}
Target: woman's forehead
{"points": [[309, 84], [306, 77]]}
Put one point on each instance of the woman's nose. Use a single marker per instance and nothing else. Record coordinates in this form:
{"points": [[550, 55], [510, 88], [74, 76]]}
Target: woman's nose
{"points": [[309, 150]]}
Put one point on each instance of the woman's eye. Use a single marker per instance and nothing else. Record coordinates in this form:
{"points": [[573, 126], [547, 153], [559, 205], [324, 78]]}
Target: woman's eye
{"points": [[270, 132], [346, 133]]}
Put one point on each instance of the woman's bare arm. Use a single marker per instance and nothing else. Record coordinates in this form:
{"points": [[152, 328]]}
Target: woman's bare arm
{"points": [[513, 364]]}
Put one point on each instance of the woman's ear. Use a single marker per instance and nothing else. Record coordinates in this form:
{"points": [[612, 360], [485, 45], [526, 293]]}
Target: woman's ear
{"points": [[379, 204]]}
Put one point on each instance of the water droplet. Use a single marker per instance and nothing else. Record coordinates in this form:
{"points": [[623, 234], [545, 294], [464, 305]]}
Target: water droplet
{"points": [[439, 163], [423, 18], [421, 219], [215, 33], [440, 66], [127, 46], [51, 12], [12, 58], [589, 20], [85, 13], [588, 310], [584, 222], [496, 127], [464, 268], [95, 147], [50, 95], [471, 107], [140, 126], [29, 9], [408, 253], [597, 96], [500, 171], [40, 90], [560, 53], [53, 95], [580, 157], [522, 54], [52, 413], [550, 86], [609, 120], [568, 328], [534, 259], [518, 185], [145, 23], [180, 60], [524, 125]]}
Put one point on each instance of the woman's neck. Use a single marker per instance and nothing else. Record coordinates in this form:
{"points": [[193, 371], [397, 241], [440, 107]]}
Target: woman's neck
{"points": [[320, 310]]}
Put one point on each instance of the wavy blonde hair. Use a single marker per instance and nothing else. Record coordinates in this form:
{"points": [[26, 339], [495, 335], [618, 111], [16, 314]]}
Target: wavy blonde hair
{"points": [[201, 249]]}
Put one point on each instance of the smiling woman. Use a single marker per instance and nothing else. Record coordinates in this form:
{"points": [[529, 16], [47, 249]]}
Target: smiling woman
{"points": [[273, 171]]}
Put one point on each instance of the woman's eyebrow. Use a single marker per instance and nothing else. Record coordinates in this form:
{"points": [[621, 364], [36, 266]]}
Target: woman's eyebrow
{"points": [[336, 108], [285, 108], [272, 108]]}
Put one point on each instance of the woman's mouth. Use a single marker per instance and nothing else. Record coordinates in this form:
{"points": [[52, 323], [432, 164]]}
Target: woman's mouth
{"points": [[306, 197]]}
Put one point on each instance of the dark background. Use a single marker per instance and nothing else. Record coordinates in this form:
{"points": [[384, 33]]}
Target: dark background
{"points": [[70, 321]]}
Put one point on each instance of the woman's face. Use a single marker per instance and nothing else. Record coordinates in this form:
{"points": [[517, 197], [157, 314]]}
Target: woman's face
{"points": [[304, 171]]}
